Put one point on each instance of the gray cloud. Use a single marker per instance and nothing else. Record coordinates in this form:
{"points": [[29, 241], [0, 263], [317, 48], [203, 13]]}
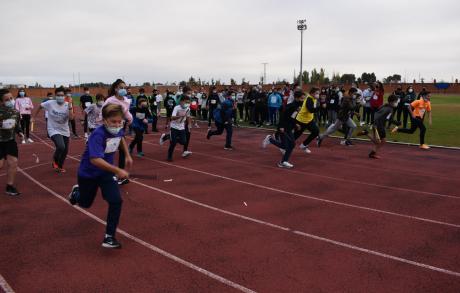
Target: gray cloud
{"points": [[142, 40]]}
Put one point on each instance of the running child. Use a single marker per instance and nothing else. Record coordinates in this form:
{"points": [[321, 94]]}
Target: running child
{"points": [[179, 117], [223, 115], [69, 100], [305, 119], [93, 112], [141, 118], [346, 111], [9, 127], [24, 106], [60, 113], [417, 110], [86, 100], [97, 170], [286, 127], [383, 115], [169, 103]]}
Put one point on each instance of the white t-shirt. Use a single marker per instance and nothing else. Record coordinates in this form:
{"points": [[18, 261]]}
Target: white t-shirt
{"points": [[199, 96], [58, 117], [179, 124], [158, 98]]}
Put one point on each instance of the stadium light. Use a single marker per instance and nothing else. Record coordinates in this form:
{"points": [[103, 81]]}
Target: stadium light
{"points": [[301, 26]]}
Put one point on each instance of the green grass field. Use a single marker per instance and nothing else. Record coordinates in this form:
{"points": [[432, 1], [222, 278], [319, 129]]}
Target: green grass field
{"points": [[445, 130]]}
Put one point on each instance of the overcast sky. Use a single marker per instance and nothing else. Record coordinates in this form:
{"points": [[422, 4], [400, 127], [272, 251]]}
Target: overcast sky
{"points": [[155, 40]]}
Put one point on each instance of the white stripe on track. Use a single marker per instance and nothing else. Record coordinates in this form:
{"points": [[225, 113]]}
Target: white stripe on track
{"points": [[5, 286], [146, 244]]}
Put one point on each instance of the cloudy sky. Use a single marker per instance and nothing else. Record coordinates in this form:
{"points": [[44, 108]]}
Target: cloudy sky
{"points": [[50, 41]]}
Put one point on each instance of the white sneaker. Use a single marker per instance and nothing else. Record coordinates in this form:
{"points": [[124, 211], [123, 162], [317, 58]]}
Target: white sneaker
{"points": [[342, 142], [361, 123], [23, 141], [86, 135], [186, 154], [29, 140], [268, 124], [197, 126], [302, 147], [266, 141], [283, 151], [307, 150], [286, 165], [162, 142]]}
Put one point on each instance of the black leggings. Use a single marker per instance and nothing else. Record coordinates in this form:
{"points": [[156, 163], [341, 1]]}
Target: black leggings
{"points": [[25, 124], [312, 127], [416, 122], [73, 126], [138, 139], [62, 148]]}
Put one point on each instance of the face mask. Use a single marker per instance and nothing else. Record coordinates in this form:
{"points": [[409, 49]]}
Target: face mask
{"points": [[22, 94], [411, 90], [394, 105], [316, 96], [100, 103], [60, 100], [69, 95], [185, 106], [113, 130], [9, 104], [122, 92], [87, 92]]}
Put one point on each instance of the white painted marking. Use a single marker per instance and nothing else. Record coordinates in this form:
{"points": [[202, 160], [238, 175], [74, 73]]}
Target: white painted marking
{"points": [[5, 286], [146, 244]]}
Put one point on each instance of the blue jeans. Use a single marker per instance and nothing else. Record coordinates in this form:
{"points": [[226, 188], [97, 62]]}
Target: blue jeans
{"points": [[272, 111], [110, 192]]}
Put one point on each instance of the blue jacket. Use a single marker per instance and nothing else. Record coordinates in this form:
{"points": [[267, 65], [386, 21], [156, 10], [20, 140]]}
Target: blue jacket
{"points": [[224, 112], [138, 113], [275, 100]]}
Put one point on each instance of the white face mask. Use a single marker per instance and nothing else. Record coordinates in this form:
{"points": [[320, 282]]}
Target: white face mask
{"points": [[100, 103], [10, 104], [113, 130], [411, 90], [60, 100]]}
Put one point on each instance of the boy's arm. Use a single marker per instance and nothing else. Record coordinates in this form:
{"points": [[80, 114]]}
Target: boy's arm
{"points": [[430, 121], [124, 147]]}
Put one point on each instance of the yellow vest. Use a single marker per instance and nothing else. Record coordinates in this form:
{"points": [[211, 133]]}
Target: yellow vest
{"points": [[304, 115]]}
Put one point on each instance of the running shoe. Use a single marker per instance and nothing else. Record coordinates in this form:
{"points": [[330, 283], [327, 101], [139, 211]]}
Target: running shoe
{"points": [[73, 195], [424, 147], [162, 141], [185, 154], [266, 141], [140, 154], [110, 242], [229, 148], [123, 181], [307, 150], [11, 190], [29, 140], [55, 166], [373, 155], [285, 164]]}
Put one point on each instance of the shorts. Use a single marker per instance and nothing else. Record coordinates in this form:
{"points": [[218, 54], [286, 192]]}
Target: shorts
{"points": [[8, 148]]}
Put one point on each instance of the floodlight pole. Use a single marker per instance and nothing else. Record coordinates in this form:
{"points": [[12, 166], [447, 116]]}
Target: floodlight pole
{"points": [[265, 72], [301, 26]]}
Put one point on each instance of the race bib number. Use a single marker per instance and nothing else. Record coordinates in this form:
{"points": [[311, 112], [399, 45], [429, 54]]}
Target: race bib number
{"points": [[87, 104], [375, 98], [273, 100], [155, 103], [194, 103], [8, 124], [294, 115], [140, 116], [213, 102], [112, 145], [332, 101]]}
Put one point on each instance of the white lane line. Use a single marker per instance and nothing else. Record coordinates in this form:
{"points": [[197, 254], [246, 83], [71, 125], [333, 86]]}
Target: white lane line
{"points": [[418, 192], [144, 243], [5, 286], [30, 167], [307, 235], [308, 196], [337, 243]]}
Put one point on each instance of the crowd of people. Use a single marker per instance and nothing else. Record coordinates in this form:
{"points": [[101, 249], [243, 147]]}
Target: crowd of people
{"points": [[109, 120]]}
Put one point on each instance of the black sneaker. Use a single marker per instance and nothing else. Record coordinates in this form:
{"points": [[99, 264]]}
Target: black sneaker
{"points": [[348, 143], [111, 242], [11, 190], [73, 195], [123, 181]]}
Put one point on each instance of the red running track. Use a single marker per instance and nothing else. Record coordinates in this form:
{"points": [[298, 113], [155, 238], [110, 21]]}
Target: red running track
{"points": [[232, 221]]}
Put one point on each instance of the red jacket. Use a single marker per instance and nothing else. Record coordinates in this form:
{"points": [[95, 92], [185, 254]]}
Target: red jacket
{"points": [[377, 99]]}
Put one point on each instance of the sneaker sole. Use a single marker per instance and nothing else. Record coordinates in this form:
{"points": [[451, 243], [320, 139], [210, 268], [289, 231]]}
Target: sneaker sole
{"points": [[106, 245]]}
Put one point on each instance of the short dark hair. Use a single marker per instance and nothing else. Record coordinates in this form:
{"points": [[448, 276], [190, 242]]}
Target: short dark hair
{"points": [[392, 99], [49, 94], [67, 90], [184, 98], [298, 94], [313, 90], [100, 96], [86, 88], [3, 92], [59, 89], [186, 89], [141, 90]]}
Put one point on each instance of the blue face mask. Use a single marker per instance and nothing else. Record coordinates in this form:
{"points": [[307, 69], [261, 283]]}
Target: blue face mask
{"points": [[122, 92], [22, 94]]}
